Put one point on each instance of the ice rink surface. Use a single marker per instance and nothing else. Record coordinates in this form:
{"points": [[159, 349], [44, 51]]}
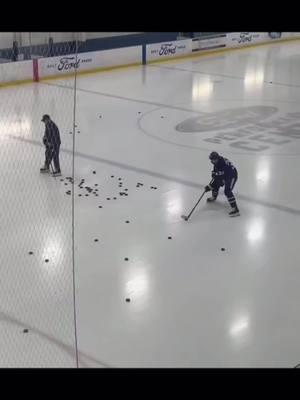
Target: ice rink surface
{"points": [[191, 304]]}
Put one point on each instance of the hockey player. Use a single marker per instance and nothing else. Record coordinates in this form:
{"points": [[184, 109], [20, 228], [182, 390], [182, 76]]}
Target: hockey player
{"points": [[52, 143], [223, 174]]}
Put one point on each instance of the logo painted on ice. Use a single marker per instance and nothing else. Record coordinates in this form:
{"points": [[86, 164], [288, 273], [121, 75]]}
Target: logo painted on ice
{"points": [[247, 128]]}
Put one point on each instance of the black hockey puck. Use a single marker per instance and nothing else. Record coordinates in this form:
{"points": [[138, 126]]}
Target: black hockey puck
{"points": [[61, 180], [115, 198], [126, 190], [162, 116], [66, 183], [96, 240], [46, 260], [94, 172], [100, 116], [86, 195], [139, 112], [120, 179], [222, 249], [25, 330], [126, 259], [79, 195], [96, 184], [128, 300], [127, 222], [70, 133], [169, 237], [112, 176], [99, 206], [30, 253], [108, 198]]}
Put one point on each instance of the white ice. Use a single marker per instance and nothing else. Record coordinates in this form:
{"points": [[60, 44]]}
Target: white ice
{"points": [[192, 305]]}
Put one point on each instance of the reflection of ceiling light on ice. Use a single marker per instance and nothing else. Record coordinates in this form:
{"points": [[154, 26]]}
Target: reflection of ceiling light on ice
{"points": [[202, 89], [239, 326], [137, 285], [53, 251], [256, 230], [253, 79], [174, 207], [263, 171], [15, 127], [263, 175]]}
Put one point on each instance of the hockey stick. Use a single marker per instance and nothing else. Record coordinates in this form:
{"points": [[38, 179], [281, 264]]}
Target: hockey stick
{"points": [[186, 218], [52, 169], [51, 166]]}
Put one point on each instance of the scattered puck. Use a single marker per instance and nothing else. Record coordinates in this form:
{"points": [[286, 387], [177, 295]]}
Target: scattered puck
{"points": [[127, 222], [162, 116], [25, 330], [61, 180], [126, 190], [139, 112], [96, 184], [96, 240], [108, 198], [120, 179], [169, 237], [222, 249], [94, 172], [70, 133], [30, 253], [46, 260], [112, 176], [99, 206], [86, 195], [126, 259], [100, 116], [128, 300], [115, 198], [65, 183], [79, 195]]}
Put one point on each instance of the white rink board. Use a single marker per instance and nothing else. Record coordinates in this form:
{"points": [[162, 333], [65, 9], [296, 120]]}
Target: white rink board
{"points": [[241, 39], [15, 71], [163, 50], [89, 61]]}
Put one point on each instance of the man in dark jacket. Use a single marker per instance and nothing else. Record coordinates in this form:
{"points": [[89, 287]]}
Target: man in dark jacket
{"points": [[52, 143], [223, 174]]}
